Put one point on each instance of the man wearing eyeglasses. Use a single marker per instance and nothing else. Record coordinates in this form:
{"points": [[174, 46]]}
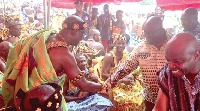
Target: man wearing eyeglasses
{"points": [[149, 55]]}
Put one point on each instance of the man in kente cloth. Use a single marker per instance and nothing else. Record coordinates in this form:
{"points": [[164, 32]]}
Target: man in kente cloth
{"points": [[43, 58]]}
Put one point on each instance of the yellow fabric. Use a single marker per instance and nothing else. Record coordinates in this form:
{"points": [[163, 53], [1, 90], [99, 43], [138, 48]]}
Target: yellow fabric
{"points": [[130, 96], [28, 66]]}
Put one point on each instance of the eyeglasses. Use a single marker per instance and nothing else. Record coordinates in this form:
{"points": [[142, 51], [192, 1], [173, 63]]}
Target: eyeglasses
{"points": [[151, 33]]}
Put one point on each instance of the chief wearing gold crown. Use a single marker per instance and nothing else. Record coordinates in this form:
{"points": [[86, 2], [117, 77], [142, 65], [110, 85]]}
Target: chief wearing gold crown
{"points": [[44, 57]]}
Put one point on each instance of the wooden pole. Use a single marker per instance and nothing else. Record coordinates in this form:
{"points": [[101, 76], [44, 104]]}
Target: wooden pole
{"points": [[48, 13], [45, 14]]}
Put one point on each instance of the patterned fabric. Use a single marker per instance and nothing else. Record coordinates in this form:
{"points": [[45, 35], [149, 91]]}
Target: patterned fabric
{"points": [[182, 95], [150, 59], [28, 65], [129, 97], [1, 97], [91, 103]]}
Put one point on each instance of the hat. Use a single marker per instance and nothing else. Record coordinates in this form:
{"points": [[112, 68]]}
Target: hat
{"points": [[78, 2], [45, 97]]}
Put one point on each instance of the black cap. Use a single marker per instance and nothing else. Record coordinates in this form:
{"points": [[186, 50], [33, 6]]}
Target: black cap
{"points": [[78, 2]]}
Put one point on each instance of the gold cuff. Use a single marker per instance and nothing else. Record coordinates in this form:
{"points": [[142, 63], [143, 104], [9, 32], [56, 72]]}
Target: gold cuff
{"points": [[78, 77]]}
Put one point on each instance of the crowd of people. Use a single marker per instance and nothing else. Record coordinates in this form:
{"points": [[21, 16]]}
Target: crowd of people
{"points": [[88, 63]]}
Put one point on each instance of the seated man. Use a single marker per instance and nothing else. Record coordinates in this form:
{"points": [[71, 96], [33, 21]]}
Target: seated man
{"points": [[44, 57], [83, 101], [179, 79]]}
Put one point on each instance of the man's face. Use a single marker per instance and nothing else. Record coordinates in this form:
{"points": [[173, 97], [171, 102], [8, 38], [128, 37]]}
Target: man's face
{"points": [[15, 30], [106, 9], [97, 37], [119, 15], [79, 7], [188, 22], [94, 13], [79, 34], [120, 45], [81, 62], [152, 34], [180, 62]]}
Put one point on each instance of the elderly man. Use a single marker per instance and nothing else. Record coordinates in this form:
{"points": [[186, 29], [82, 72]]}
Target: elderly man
{"points": [[179, 79], [190, 23], [149, 55], [44, 57]]}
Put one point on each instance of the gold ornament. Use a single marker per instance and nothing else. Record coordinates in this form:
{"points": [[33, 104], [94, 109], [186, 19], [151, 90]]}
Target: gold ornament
{"points": [[64, 25], [75, 26]]}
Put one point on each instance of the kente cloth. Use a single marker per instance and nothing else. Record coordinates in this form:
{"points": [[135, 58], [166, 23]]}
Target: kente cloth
{"points": [[130, 97], [182, 95], [29, 65], [91, 103], [1, 97], [150, 59]]}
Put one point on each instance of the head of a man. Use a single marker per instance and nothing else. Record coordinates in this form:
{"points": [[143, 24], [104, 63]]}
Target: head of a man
{"points": [[153, 30], [81, 61], [106, 9], [119, 15], [95, 12], [159, 11], [189, 19], [86, 6], [73, 29], [95, 35], [45, 97], [183, 54], [14, 28], [120, 43], [78, 5]]}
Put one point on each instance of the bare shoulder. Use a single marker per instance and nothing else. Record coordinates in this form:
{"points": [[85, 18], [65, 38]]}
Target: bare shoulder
{"points": [[108, 57]]}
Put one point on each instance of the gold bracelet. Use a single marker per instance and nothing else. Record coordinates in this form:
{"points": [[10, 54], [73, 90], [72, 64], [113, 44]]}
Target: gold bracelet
{"points": [[78, 77]]}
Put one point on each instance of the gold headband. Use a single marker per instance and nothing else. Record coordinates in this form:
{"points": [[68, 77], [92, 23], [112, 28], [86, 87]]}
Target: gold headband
{"points": [[119, 37], [7, 18], [4, 33], [82, 47], [75, 26]]}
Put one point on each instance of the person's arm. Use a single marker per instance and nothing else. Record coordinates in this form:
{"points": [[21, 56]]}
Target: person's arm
{"points": [[123, 29], [162, 103], [106, 66], [72, 71], [124, 68], [78, 98], [99, 23]]}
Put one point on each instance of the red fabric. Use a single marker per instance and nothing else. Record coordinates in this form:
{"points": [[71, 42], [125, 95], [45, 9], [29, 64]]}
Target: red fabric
{"points": [[178, 4], [62, 5], [70, 3]]}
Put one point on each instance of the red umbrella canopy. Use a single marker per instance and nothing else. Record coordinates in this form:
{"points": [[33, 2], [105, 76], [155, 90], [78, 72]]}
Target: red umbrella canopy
{"points": [[178, 4], [69, 3]]}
